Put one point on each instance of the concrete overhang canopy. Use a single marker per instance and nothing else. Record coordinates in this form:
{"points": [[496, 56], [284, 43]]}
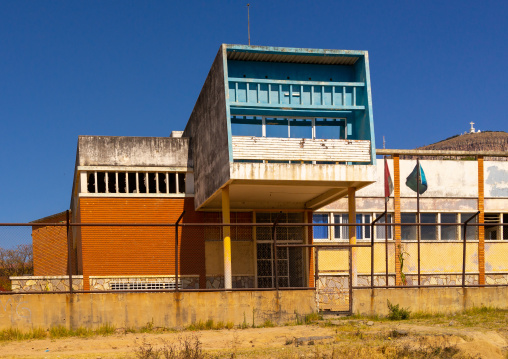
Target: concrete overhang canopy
{"points": [[290, 186]]}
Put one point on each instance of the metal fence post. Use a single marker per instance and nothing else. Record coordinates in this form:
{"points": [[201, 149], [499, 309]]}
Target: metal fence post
{"points": [[372, 249], [176, 251], [419, 226], [69, 251], [275, 256]]}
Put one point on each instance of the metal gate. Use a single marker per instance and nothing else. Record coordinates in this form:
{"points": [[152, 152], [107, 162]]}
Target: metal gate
{"points": [[333, 274]]}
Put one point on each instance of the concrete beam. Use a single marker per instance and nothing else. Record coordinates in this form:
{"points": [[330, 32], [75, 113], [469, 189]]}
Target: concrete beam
{"points": [[326, 198], [390, 152]]}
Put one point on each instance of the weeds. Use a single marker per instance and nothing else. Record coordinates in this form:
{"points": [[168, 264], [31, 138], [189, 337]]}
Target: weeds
{"points": [[211, 325], [244, 324], [313, 317], [62, 332], [16, 334], [54, 333], [188, 347], [268, 324], [397, 313]]}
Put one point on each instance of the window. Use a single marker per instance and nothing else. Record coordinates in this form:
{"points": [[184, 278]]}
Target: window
{"points": [[472, 231], [338, 232], [135, 182], [408, 233], [448, 233], [329, 128], [363, 232], [247, 126], [320, 232], [428, 233], [301, 128], [276, 127], [381, 231], [292, 127]]}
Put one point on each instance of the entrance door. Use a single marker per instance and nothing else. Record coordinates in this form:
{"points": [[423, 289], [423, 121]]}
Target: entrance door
{"points": [[290, 260]]}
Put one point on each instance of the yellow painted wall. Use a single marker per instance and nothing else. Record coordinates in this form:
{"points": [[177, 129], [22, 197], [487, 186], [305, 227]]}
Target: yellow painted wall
{"points": [[436, 257], [439, 257], [242, 258], [496, 256], [333, 260]]}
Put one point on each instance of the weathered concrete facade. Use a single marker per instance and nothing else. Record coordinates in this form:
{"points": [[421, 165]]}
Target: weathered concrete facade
{"points": [[208, 130], [134, 151]]}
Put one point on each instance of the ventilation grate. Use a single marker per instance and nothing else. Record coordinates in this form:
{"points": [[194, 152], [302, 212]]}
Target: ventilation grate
{"points": [[143, 286]]}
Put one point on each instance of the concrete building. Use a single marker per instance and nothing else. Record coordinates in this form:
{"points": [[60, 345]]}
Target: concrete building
{"points": [[273, 130]]}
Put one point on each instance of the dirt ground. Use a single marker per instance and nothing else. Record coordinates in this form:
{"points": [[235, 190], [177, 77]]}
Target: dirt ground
{"points": [[327, 338]]}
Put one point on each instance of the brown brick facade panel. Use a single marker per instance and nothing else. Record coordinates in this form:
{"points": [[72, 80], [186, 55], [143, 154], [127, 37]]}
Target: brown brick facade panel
{"points": [[140, 250], [50, 248]]}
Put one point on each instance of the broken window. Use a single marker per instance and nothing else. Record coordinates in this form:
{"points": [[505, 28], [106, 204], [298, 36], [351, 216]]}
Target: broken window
{"points": [[91, 183], [141, 182], [122, 182], [136, 182], [152, 182], [161, 183], [172, 182], [293, 127], [101, 182], [181, 182], [111, 182], [132, 183]]}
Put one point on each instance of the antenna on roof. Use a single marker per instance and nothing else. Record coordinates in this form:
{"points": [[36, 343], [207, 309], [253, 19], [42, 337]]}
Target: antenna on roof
{"points": [[248, 22]]}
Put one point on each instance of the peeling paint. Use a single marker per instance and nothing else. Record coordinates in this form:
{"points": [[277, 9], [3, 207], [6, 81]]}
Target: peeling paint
{"points": [[497, 180]]}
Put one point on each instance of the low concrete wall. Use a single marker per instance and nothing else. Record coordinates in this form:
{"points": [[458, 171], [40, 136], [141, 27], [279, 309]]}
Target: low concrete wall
{"points": [[171, 310], [428, 300]]}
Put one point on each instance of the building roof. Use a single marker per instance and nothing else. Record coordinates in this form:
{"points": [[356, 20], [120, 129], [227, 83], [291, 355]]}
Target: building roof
{"points": [[293, 55], [49, 219]]}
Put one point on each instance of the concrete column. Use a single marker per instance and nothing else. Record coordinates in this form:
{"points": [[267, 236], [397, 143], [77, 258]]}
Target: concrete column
{"points": [[397, 219], [226, 230], [352, 232], [481, 219]]}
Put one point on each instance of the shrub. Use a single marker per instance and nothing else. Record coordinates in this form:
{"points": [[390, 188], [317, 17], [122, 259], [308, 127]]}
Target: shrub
{"points": [[397, 313]]}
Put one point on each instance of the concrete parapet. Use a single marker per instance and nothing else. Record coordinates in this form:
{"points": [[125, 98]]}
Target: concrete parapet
{"points": [[134, 310]]}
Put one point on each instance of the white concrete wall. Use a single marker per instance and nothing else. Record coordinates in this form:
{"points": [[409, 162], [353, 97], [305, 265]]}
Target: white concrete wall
{"points": [[452, 187]]}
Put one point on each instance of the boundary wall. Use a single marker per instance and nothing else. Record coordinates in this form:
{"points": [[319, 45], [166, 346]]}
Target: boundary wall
{"points": [[429, 300], [162, 309]]}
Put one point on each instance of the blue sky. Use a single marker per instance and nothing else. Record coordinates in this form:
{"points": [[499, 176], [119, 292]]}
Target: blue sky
{"points": [[135, 68]]}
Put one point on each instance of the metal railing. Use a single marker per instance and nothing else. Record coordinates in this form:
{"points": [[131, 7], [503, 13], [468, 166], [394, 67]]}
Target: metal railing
{"points": [[175, 254]]}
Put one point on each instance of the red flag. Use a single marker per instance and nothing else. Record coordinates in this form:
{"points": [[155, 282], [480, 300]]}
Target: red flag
{"points": [[388, 182]]}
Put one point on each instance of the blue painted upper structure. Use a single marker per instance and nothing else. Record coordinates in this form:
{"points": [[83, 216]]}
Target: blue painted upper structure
{"points": [[308, 110], [303, 83]]}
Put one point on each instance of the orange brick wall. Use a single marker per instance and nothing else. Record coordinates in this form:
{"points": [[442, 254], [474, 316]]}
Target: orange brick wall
{"points": [[50, 248], [140, 250]]}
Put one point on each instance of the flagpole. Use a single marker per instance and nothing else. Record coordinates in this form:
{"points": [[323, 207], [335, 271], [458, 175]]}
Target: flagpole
{"points": [[386, 230], [418, 228]]}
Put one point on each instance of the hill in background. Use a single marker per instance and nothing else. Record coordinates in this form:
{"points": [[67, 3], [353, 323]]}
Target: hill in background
{"points": [[478, 141]]}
